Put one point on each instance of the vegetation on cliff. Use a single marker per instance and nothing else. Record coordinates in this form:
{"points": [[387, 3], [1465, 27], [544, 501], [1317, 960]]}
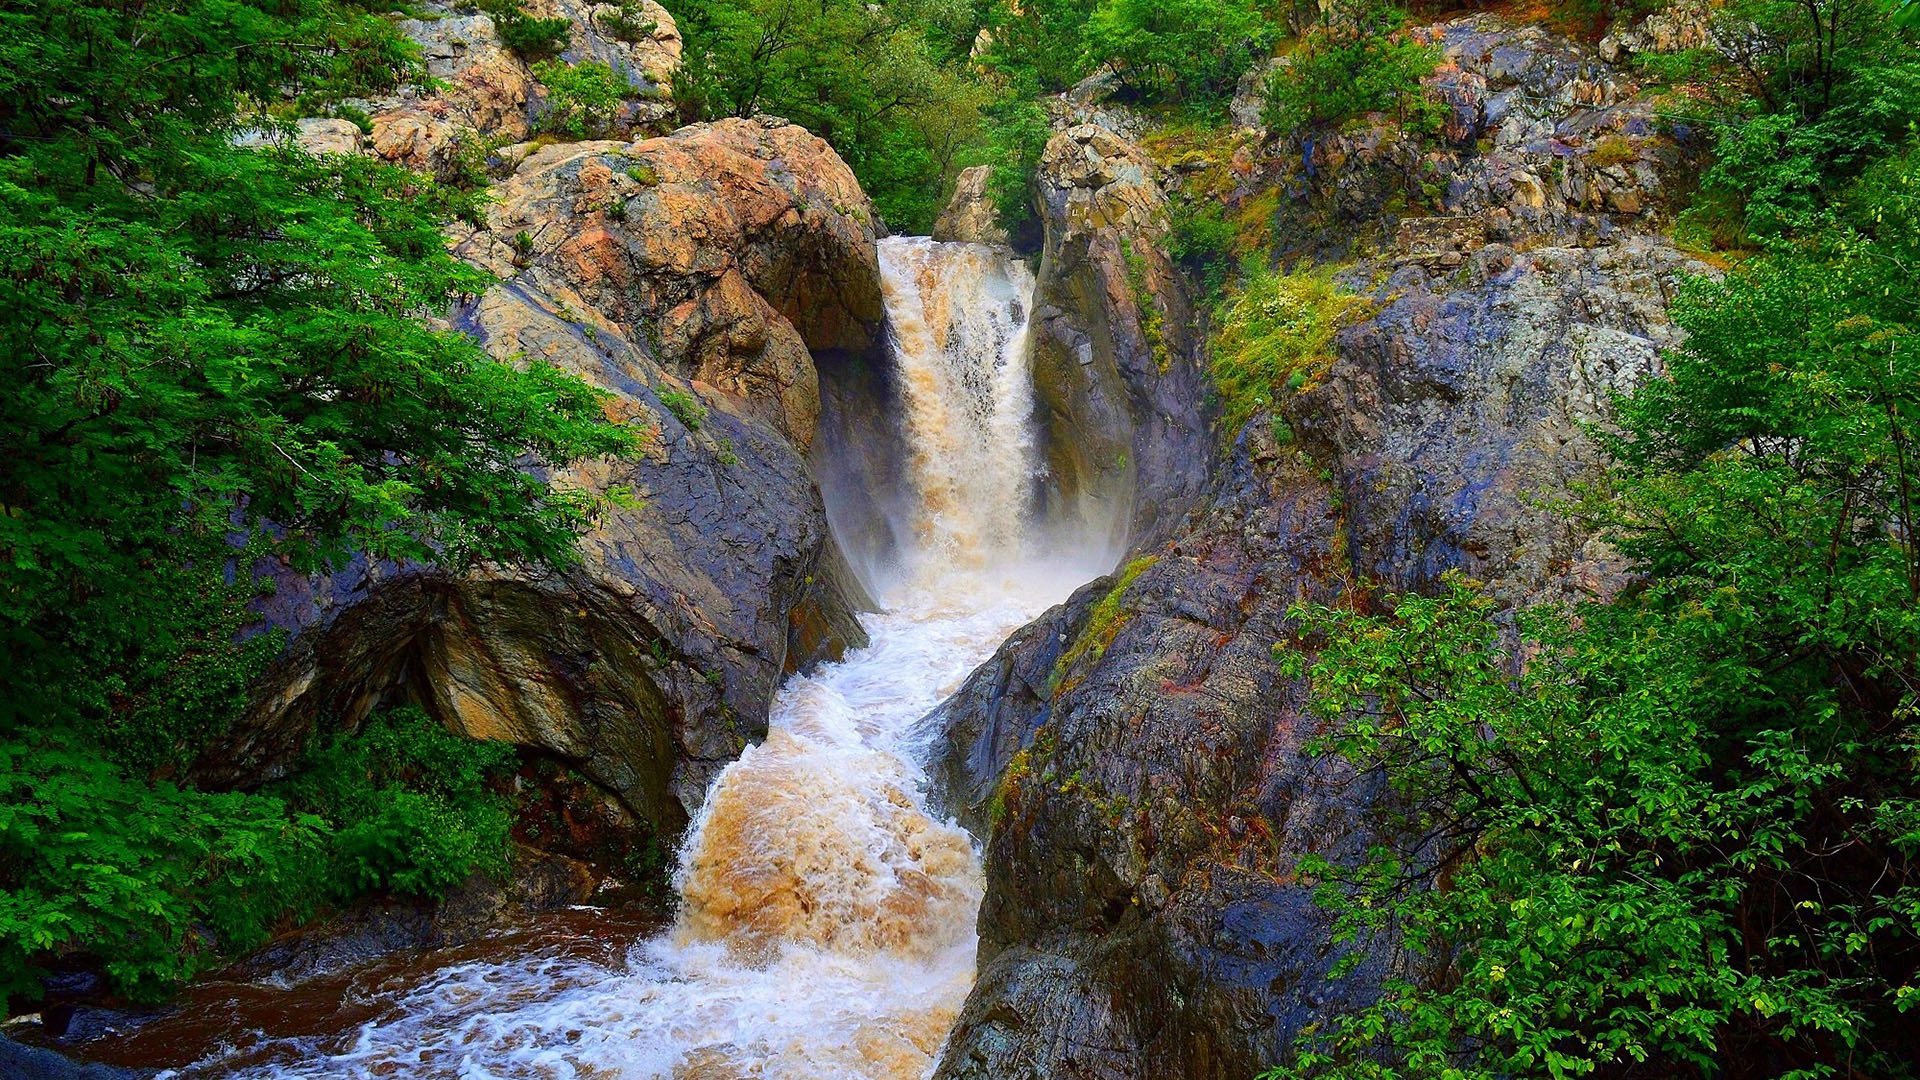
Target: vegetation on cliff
{"points": [[222, 360], [1680, 833]]}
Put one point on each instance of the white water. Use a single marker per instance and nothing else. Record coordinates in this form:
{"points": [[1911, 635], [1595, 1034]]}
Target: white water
{"points": [[827, 924]]}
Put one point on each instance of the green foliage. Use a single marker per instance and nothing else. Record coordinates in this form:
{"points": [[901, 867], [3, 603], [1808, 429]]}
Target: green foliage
{"points": [[531, 37], [412, 805], [155, 877], [685, 408], [1016, 131], [1352, 63], [164, 881], [1825, 88], [1274, 336], [1202, 240], [1683, 836], [1189, 51], [582, 99], [219, 368], [1037, 44], [626, 23]]}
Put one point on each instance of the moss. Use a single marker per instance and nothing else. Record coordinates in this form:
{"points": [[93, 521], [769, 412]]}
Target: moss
{"points": [[1253, 223], [1612, 150], [643, 174], [685, 407], [1104, 623], [1275, 338], [1153, 321]]}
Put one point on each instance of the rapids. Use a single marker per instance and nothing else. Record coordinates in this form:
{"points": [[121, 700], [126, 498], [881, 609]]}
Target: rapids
{"points": [[826, 925]]}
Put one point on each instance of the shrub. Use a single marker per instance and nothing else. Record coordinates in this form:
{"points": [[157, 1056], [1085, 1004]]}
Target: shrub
{"points": [[581, 98], [624, 23], [162, 881], [685, 408], [1348, 65], [1275, 336], [410, 804], [1682, 838], [530, 37]]}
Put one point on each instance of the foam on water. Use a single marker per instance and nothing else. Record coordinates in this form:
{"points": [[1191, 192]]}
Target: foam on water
{"points": [[826, 930]]}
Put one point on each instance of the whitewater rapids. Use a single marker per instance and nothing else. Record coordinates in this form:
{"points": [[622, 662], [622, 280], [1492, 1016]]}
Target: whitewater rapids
{"points": [[826, 925]]}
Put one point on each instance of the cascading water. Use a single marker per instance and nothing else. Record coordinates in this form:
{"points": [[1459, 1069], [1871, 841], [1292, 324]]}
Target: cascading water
{"points": [[826, 930]]}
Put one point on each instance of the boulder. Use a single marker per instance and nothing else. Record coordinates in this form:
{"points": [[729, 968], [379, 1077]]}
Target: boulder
{"points": [[741, 246], [970, 216], [1134, 759]]}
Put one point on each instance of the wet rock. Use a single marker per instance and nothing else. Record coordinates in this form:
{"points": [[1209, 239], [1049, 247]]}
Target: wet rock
{"points": [[1135, 759], [1115, 342], [1461, 402], [1144, 917], [19, 1061]]}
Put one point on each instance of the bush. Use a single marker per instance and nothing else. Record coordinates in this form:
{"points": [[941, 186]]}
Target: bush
{"points": [[410, 804], [1274, 337], [685, 408], [582, 99], [1683, 836], [1348, 65], [161, 882], [1829, 88]]}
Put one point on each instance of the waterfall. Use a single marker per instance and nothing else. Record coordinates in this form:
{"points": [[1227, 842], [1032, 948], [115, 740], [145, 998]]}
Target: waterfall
{"points": [[826, 925], [957, 319]]}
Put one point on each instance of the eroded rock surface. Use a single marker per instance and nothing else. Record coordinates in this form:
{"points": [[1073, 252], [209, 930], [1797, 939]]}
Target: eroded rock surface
{"points": [[1115, 342], [688, 276]]}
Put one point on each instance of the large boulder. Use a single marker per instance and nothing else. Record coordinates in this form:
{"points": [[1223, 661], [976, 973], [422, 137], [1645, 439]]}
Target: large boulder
{"points": [[652, 663], [1115, 351], [741, 247]]}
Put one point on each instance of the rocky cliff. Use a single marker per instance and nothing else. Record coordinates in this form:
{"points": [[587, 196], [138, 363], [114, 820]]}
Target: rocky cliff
{"points": [[696, 277], [1134, 759]]}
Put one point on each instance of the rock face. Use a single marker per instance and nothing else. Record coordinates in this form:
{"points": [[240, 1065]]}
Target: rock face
{"points": [[1134, 757], [970, 216], [483, 96], [1115, 349], [1540, 138], [689, 276]]}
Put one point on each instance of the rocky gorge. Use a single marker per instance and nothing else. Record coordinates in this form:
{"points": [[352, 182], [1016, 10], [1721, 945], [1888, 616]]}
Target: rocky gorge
{"points": [[1131, 762]]}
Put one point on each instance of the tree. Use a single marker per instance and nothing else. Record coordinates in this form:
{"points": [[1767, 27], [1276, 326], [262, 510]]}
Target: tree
{"points": [[218, 356], [885, 83], [1189, 51]]}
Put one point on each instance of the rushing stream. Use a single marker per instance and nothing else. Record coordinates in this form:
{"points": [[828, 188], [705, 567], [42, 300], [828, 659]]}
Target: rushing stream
{"points": [[826, 929]]}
